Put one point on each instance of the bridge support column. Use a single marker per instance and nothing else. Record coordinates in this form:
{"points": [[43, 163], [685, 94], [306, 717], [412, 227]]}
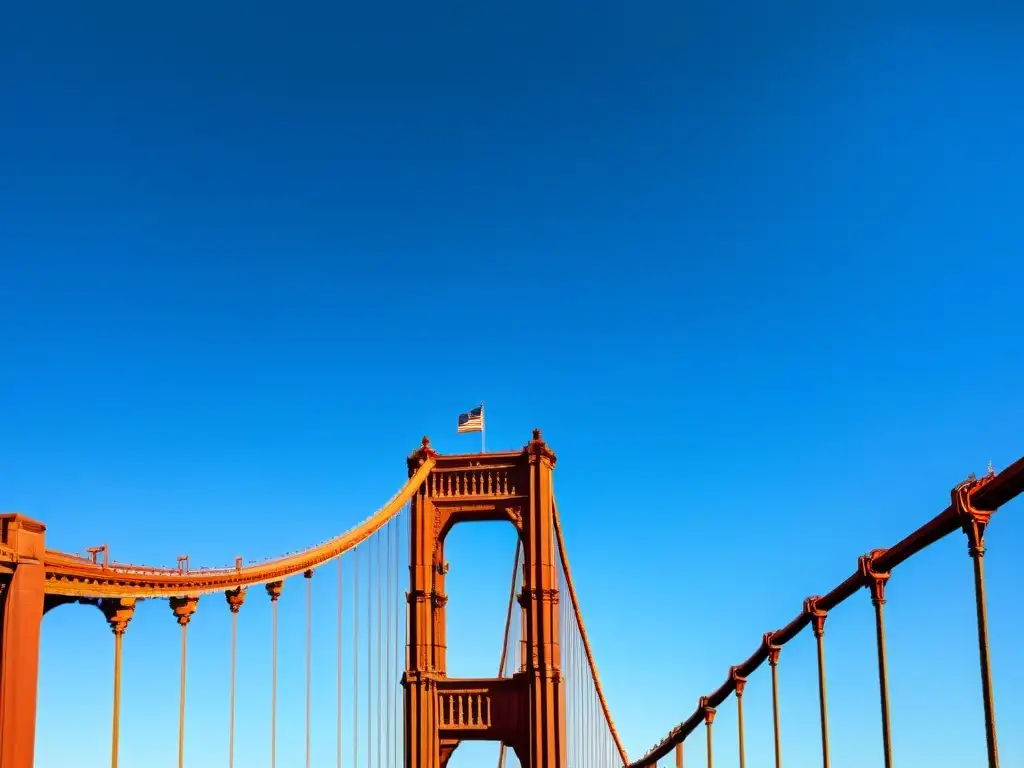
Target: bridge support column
{"points": [[21, 618], [548, 747], [422, 742], [423, 659]]}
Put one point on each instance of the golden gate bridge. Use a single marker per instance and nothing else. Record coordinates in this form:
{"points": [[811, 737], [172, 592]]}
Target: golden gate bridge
{"points": [[545, 703]]}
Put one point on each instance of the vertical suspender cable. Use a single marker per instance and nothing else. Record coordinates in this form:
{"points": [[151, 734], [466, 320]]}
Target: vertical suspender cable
{"points": [[339, 657], [775, 715], [584, 717], [183, 608], [399, 636], [577, 696], [181, 698], [234, 664], [585, 706], [566, 670], [369, 658], [593, 723], [392, 624], [393, 643], [387, 649], [355, 658], [508, 626], [235, 597], [273, 687], [380, 639], [574, 689], [116, 724], [584, 702], [883, 681], [585, 694], [117, 613], [578, 699], [405, 542], [309, 653]]}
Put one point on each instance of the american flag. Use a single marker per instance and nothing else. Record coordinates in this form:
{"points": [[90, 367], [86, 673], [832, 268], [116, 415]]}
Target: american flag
{"points": [[472, 421]]}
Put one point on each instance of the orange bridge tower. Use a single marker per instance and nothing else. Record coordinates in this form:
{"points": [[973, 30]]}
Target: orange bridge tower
{"points": [[526, 711], [22, 582]]}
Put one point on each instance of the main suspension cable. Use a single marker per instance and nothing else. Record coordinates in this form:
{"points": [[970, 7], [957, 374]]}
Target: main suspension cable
{"points": [[601, 702]]}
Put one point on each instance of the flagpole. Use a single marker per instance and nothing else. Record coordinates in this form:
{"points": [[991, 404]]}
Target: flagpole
{"points": [[483, 428]]}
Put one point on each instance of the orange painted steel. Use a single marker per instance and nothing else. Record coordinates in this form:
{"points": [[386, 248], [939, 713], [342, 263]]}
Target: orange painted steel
{"points": [[183, 608], [22, 602], [235, 598], [986, 494], [774, 650], [308, 575], [739, 683], [818, 625], [274, 593], [526, 710], [605, 711], [975, 520], [76, 576], [118, 614], [709, 718]]}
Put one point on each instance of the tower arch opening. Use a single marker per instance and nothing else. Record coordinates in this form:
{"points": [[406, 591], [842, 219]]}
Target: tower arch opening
{"points": [[478, 563], [482, 564]]}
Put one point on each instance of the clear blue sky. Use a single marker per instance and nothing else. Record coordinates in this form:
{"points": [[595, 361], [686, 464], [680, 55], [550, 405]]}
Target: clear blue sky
{"points": [[755, 271]]}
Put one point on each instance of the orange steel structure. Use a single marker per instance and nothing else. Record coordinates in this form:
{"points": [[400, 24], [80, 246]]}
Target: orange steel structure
{"points": [[527, 712], [972, 504], [551, 711]]}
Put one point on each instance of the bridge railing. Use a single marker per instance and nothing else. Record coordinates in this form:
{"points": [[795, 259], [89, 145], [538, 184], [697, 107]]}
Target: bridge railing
{"points": [[972, 504]]}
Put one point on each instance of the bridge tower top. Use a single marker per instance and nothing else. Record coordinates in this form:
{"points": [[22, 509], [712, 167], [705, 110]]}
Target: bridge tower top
{"points": [[536, 447]]}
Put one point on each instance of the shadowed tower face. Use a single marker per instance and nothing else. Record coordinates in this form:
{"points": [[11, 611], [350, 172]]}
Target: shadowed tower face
{"points": [[526, 711]]}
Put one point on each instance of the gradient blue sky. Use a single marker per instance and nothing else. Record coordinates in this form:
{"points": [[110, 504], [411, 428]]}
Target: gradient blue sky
{"points": [[755, 271]]}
